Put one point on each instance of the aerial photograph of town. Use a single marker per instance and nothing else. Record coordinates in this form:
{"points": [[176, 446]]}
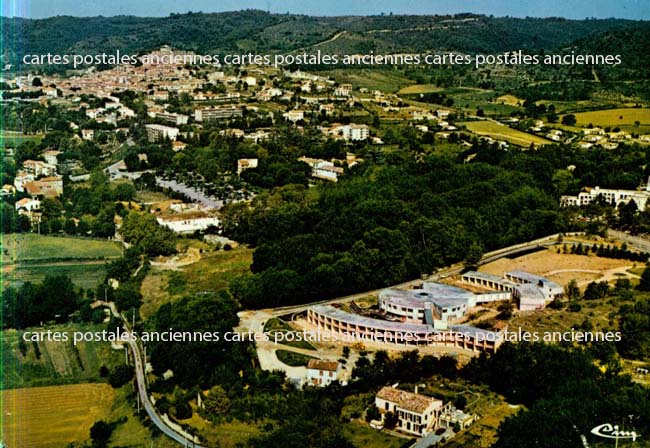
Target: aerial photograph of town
{"points": [[335, 224]]}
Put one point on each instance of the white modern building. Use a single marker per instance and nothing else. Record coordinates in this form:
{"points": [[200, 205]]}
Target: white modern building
{"points": [[157, 132], [611, 196], [188, 222]]}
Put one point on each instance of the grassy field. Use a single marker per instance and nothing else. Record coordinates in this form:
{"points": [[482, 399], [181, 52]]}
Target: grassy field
{"points": [[86, 275], [52, 363], [363, 436], [549, 261], [52, 417], [276, 325], [69, 411], [622, 118], [372, 79], [419, 88], [30, 247], [13, 139], [502, 132], [30, 257], [226, 434], [292, 359]]}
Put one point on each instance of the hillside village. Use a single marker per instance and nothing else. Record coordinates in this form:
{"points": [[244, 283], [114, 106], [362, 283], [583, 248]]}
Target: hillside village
{"points": [[419, 226]]}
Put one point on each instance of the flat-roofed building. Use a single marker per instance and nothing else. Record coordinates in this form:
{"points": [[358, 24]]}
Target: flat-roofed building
{"points": [[158, 132], [350, 327], [217, 113]]}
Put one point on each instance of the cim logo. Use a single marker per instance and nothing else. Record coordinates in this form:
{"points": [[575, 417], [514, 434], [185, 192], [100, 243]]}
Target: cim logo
{"points": [[610, 431]]}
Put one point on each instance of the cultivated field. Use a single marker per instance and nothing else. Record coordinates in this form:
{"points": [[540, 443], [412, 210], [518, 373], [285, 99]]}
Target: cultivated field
{"points": [[419, 88], [30, 257], [623, 118], [51, 363], [500, 131], [30, 247], [373, 79], [54, 416]]}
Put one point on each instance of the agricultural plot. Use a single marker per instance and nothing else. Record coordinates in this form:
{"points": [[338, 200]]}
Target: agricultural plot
{"points": [[50, 363], [30, 247], [500, 131], [54, 416], [372, 79], [30, 258], [625, 118], [419, 88]]}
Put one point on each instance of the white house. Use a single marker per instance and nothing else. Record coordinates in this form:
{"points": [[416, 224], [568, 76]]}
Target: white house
{"points": [[322, 373], [417, 414], [245, 164]]}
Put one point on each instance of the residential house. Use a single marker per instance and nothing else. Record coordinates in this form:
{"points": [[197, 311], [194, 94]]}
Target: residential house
{"points": [[322, 373], [417, 414]]}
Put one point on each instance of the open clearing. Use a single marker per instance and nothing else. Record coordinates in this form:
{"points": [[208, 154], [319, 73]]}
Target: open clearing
{"points": [[210, 272], [30, 258], [502, 132], [53, 416], [419, 88], [372, 79], [363, 436], [549, 261]]}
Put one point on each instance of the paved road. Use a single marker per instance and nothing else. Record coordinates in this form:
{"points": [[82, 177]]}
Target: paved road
{"points": [[634, 241], [142, 388], [148, 406], [452, 270]]}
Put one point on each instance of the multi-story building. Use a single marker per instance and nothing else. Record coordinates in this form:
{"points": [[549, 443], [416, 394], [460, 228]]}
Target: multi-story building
{"points": [[322, 373], [217, 113], [611, 196], [172, 118], [157, 132], [416, 414]]}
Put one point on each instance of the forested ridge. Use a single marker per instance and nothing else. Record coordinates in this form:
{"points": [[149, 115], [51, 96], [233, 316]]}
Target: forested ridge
{"points": [[394, 218], [258, 31]]}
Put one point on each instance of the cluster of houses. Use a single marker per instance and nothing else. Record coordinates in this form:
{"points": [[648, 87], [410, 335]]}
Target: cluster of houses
{"points": [[417, 414], [38, 179]]}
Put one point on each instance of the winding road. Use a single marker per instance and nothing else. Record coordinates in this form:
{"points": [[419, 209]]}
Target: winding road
{"points": [[156, 419]]}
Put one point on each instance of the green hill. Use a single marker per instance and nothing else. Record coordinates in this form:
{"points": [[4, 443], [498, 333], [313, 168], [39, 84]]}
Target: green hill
{"points": [[258, 31]]}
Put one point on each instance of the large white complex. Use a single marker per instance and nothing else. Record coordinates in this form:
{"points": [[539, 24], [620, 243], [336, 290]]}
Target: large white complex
{"points": [[157, 132], [531, 291], [434, 301], [217, 113], [354, 327], [615, 197]]}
